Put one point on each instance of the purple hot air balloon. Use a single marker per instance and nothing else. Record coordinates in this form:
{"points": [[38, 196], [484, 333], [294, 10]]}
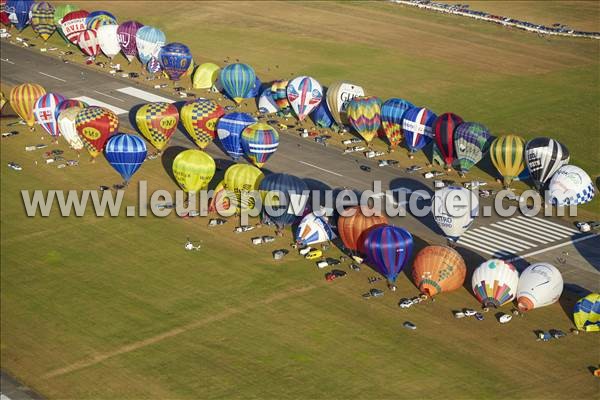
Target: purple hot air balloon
{"points": [[126, 36], [388, 248]]}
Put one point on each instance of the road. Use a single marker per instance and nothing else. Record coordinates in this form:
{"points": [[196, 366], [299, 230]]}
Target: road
{"points": [[523, 240]]}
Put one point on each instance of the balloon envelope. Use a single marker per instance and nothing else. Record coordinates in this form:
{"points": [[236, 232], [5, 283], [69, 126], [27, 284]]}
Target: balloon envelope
{"points": [[148, 41], [495, 282], [44, 111], [68, 127], [126, 33], [471, 142], [242, 178], [454, 210], [229, 130], [73, 24], [259, 142], [314, 229], [68, 103], [266, 102], [157, 122], [286, 195], [364, 114], [205, 76], [321, 115], [42, 19], [392, 113], [88, 42], [544, 156], [304, 93], [18, 12], [237, 80], [388, 248], [540, 285], [193, 170], [338, 96], [417, 125], [94, 126], [438, 269], [126, 154], [175, 59], [507, 154], [23, 98], [570, 185], [443, 133], [199, 118], [353, 224], [96, 19], [279, 94], [108, 39], [587, 313]]}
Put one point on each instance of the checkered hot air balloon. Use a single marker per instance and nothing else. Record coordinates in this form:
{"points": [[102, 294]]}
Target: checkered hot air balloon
{"points": [[199, 118], [42, 19], [388, 248], [68, 103], [94, 126], [126, 34], [304, 94], [88, 43], [259, 142], [570, 185], [157, 122], [364, 114], [44, 111], [392, 113], [229, 130], [73, 24], [23, 98], [417, 126], [126, 154]]}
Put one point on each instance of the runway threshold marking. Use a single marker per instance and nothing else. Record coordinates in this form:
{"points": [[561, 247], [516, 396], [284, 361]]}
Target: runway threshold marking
{"points": [[51, 76], [322, 169], [533, 253], [142, 94], [98, 103], [108, 95]]}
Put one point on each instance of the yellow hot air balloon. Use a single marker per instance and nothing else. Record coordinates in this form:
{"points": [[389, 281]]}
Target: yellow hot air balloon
{"points": [[157, 122], [205, 76], [23, 98], [438, 269], [241, 179], [193, 170], [507, 153], [199, 118], [2, 101], [587, 313]]}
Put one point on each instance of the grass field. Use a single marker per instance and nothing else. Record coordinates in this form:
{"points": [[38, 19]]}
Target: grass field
{"points": [[114, 308]]}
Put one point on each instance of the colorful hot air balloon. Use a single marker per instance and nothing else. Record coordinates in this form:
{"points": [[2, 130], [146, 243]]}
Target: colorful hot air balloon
{"points": [[259, 142], [279, 94], [18, 12], [94, 126], [587, 313], [149, 40], [108, 39], [321, 116], [72, 24], [237, 80], [304, 94], [471, 142], [126, 34], [544, 156], [23, 98], [88, 43], [230, 128], [96, 19], [338, 96], [388, 248], [126, 154], [364, 114], [42, 19], [438, 269], [266, 102], [540, 285], [153, 65], [450, 213], [314, 229], [157, 122], [353, 224], [443, 133], [175, 59], [241, 178], [417, 126], [495, 282], [44, 112], [570, 185], [4, 20], [199, 118], [507, 154], [286, 195], [68, 103], [67, 124], [392, 112], [205, 76], [59, 12], [193, 170]]}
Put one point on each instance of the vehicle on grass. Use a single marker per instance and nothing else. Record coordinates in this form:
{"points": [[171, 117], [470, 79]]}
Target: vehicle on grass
{"points": [[305, 250], [257, 240], [505, 318], [279, 254], [321, 140], [9, 134], [116, 186], [354, 267], [216, 221], [474, 184], [365, 168], [387, 163], [459, 314], [438, 184], [479, 316], [15, 166], [72, 163], [432, 174], [333, 261], [134, 75], [557, 333], [469, 312], [409, 325], [164, 206], [334, 274], [373, 293], [544, 336], [161, 86], [103, 188], [351, 141], [268, 239], [413, 168], [243, 228], [373, 154], [314, 254], [486, 193], [354, 149], [587, 226], [405, 303], [322, 264]]}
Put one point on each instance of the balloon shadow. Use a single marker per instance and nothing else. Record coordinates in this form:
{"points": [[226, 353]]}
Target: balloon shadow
{"points": [[318, 192], [180, 127], [571, 294], [588, 249], [472, 261], [132, 121], [418, 245], [410, 186], [167, 158]]}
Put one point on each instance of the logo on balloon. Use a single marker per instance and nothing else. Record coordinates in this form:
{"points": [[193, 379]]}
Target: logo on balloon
{"points": [[211, 124], [91, 133], [168, 122]]}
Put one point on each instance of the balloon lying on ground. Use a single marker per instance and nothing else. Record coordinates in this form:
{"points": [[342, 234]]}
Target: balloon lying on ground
{"points": [[229, 130], [507, 154], [321, 115], [67, 124], [570, 185], [88, 42], [364, 114], [42, 19], [157, 122], [205, 76], [199, 118], [540, 285], [354, 223], [314, 229], [68, 103], [238, 182], [337, 98], [175, 59], [438, 269], [126, 33], [544, 156], [193, 170], [304, 94], [259, 142], [96, 19], [285, 196], [148, 41], [44, 111], [108, 39], [454, 210], [237, 80], [417, 126], [266, 102], [587, 313], [22, 100], [471, 143], [73, 24], [443, 133], [94, 126], [126, 154], [495, 282], [388, 248], [392, 113], [19, 12]]}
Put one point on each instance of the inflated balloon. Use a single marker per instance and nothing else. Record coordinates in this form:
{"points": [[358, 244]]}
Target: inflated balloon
{"points": [[3, 100], [254, 90], [126, 34], [96, 19], [266, 102], [454, 210], [321, 116], [153, 65], [507, 154], [388, 248], [570, 185], [338, 96], [438, 269], [230, 128], [193, 170], [59, 12], [126, 154], [199, 118], [67, 124], [364, 114], [495, 282], [175, 59], [286, 195], [18, 12], [23, 98], [353, 224], [241, 178], [392, 113], [544, 156], [157, 122], [540, 285], [471, 143], [42, 19], [443, 133], [205, 76], [148, 41], [417, 126], [94, 126], [68, 103], [259, 142], [314, 229], [237, 80], [587, 313], [44, 111], [108, 39], [279, 94], [304, 93], [73, 24], [88, 42]]}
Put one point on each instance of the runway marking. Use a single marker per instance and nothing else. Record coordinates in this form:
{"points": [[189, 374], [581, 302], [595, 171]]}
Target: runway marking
{"points": [[98, 103], [51, 76], [108, 95], [322, 169], [7, 60], [533, 253], [142, 94]]}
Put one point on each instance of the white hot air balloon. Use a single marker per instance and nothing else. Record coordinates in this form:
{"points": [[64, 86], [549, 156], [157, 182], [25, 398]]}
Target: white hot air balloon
{"points": [[304, 94], [338, 96], [540, 285], [68, 129], [108, 40], [314, 229], [570, 185], [495, 282], [266, 103], [454, 209]]}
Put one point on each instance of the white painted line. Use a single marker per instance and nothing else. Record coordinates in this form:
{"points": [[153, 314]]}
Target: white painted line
{"points": [[51, 76], [533, 253], [491, 252], [7, 60], [142, 94], [98, 103], [491, 244], [108, 95], [557, 225], [547, 227], [322, 169], [512, 232], [505, 236], [492, 238], [517, 228], [535, 231]]}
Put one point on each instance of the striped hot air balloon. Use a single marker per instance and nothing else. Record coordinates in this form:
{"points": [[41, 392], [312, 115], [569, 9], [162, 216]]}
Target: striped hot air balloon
{"points": [[149, 41], [125, 153], [42, 19], [68, 103], [157, 122], [544, 156], [471, 143], [438, 269], [507, 154], [94, 126], [237, 80], [417, 125], [443, 133], [392, 113], [199, 118], [364, 114], [88, 43], [126, 34], [44, 111], [230, 128], [388, 248], [259, 142], [23, 98], [314, 229], [279, 94], [495, 282]]}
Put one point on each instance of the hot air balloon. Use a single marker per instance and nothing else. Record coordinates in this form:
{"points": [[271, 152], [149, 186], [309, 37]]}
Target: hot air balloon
{"points": [[42, 19], [68, 103], [18, 12], [4, 20], [94, 126], [96, 19], [126, 34], [237, 80], [438, 269], [450, 213], [471, 142], [175, 59], [321, 116], [149, 40], [353, 224], [108, 39], [392, 112], [507, 156], [254, 90], [23, 98], [388, 248], [540, 285], [364, 114], [259, 142], [126, 154], [199, 118], [44, 111], [286, 195], [314, 229], [266, 102], [193, 170], [59, 12], [242, 178], [73, 24], [417, 126], [205, 76], [587, 313], [443, 133], [230, 128], [338, 96], [304, 93], [2, 100], [157, 122], [67, 124], [279, 94], [495, 282], [544, 156], [570, 185], [88, 43], [153, 65]]}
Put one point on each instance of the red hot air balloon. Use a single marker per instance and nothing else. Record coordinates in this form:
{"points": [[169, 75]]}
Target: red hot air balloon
{"points": [[73, 24], [443, 133], [95, 125]]}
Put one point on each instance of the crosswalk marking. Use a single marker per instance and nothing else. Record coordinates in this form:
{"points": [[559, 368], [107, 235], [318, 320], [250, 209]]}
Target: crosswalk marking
{"points": [[494, 241], [512, 232], [98, 103], [507, 237], [142, 94], [522, 228]]}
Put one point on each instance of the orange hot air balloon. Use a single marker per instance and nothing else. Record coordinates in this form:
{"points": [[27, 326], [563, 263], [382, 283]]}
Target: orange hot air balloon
{"points": [[352, 227], [23, 98], [438, 269]]}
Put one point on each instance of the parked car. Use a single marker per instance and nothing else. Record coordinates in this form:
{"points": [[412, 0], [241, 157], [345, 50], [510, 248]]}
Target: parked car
{"points": [[279, 254], [505, 318], [373, 154], [432, 174], [15, 166], [373, 293], [216, 221], [405, 303], [479, 316], [304, 251], [268, 239], [243, 228], [557, 333], [9, 134], [469, 312], [474, 184], [413, 168], [583, 226], [161, 86], [459, 314], [351, 141], [314, 254], [365, 168], [334, 274], [386, 163], [409, 325], [333, 261], [354, 267]]}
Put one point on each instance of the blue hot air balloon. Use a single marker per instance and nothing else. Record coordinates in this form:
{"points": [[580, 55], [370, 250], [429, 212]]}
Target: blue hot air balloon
{"points": [[95, 19], [322, 116], [149, 40], [18, 12], [125, 153], [229, 130], [255, 90], [388, 248], [237, 80], [417, 126], [294, 191], [175, 59]]}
